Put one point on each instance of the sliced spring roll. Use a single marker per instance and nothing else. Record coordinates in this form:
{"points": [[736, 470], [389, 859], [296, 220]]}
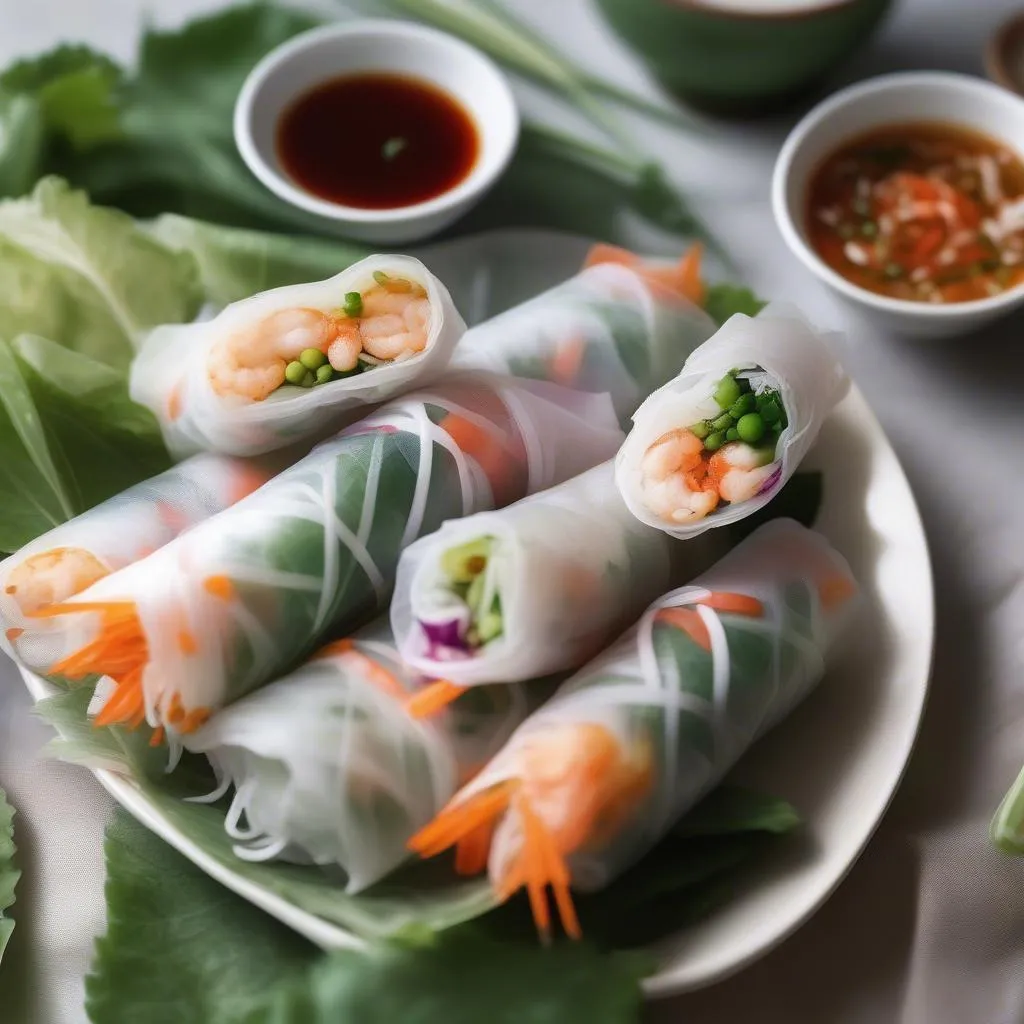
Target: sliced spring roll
{"points": [[329, 768], [246, 595], [621, 325], [535, 588], [595, 777], [119, 531], [294, 362], [719, 441]]}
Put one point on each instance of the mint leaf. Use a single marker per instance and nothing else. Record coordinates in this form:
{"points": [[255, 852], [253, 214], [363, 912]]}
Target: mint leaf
{"points": [[9, 874]]}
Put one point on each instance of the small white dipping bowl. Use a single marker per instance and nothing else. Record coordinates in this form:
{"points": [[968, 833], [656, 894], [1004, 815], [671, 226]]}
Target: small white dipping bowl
{"points": [[894, 99], [378, 47]]}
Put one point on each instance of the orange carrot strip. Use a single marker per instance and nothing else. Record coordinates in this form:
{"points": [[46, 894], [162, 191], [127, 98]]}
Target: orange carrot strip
{"points": [[473, 849], [433, 698], [736, 604], [13, 633], [601, 252], [219, 586], [158, 736], [834, 591], [187, 642], [689, 622], [532, 853], [174, 402], [342, 646], [457, 821], [123, 703], [567, 360]]}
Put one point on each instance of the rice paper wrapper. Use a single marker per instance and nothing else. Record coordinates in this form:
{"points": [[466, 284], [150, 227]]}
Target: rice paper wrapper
{"points": [[114, 534], [796, 357], [604, 330], [329, 768], [571, 565], [689, 710], [170, 375], [246, 595]]}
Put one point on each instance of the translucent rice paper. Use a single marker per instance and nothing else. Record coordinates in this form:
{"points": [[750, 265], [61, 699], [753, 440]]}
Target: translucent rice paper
{"points": [[246, 595], [606, 329], [170, 373], [796, 358], [573, 568], [680, 713], [329, 768], [114, 534]]}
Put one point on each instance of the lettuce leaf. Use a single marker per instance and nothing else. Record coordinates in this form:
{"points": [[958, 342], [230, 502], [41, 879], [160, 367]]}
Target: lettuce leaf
{"points": [[9, 874], [723, 300]]}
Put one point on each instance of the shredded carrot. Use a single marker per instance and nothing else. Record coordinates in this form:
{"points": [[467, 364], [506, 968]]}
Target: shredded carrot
{"points": [[601, 252], [433, 698], [342, 646], [460, 819], [834, 591], [220, 586], [567, 361], [124, 703], [473, 849], [483, 447], [736, 604], [13, 633], [174, 402], [158, 736], [687, 620], [187, 642]]}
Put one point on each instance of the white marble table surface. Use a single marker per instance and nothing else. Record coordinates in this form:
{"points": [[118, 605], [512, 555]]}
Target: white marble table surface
{"points": [[929, 926]]}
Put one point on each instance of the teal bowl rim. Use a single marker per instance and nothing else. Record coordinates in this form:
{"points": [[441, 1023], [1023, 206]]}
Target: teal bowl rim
{"points": [[709, 7]]}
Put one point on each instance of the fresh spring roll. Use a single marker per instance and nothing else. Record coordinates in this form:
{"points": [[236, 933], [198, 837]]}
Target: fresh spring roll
{"points": [[535, 588], [119, 531], [719, 441], [621, 326], [244, 596], [595, 777], [329, 767], [293, 362]]}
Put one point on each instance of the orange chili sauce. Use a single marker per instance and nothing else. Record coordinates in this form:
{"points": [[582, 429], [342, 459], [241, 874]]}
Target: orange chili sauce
{"points": [[377, 141], [929, 212]]}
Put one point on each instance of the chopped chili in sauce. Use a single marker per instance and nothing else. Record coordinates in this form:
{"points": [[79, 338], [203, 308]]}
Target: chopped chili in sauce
{"points": [[928, 212]]}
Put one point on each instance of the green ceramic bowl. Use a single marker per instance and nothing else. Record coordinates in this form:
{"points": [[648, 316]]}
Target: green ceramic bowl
{"points": [[741, 56]]}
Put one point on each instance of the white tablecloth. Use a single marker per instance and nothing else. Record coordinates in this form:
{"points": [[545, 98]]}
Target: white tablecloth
{"points": [[929, 926]]}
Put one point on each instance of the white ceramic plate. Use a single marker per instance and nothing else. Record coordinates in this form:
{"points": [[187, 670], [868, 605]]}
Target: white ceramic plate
{"points": [[838, 758]]}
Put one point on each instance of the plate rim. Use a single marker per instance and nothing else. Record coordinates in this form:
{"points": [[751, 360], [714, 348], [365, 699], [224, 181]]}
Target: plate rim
{"points": [[665, 982]]}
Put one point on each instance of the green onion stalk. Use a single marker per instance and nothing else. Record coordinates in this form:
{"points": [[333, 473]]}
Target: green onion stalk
{"points": [[246, 595], [596, 776]]}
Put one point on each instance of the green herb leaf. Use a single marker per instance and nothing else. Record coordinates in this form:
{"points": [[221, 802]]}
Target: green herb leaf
{"points": [[180, 947], [9, 874], [464, 978], [22, 138], [730, 809], [724, 300], [391, 148], [1008, 824], [76, 89]]}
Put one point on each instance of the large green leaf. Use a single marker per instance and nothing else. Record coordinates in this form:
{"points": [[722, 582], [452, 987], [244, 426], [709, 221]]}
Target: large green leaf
{"points": [[87, 277], [9, 874], [69, 437], [179, 947]]}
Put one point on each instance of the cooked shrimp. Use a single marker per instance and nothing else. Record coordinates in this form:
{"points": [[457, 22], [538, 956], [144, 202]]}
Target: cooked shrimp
{"points": [[251, 363], [674, 484], [570, 787], [394, 324], [739, 471], [390, 322], [53, 576]]}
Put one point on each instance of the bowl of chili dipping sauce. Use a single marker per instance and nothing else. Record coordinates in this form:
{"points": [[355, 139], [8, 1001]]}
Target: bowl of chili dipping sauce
{"points": [[905, 194], [387, 129]]}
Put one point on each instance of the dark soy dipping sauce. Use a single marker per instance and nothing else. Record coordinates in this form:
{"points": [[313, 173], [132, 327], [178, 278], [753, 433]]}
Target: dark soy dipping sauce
{"points": [[377, 141]]}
